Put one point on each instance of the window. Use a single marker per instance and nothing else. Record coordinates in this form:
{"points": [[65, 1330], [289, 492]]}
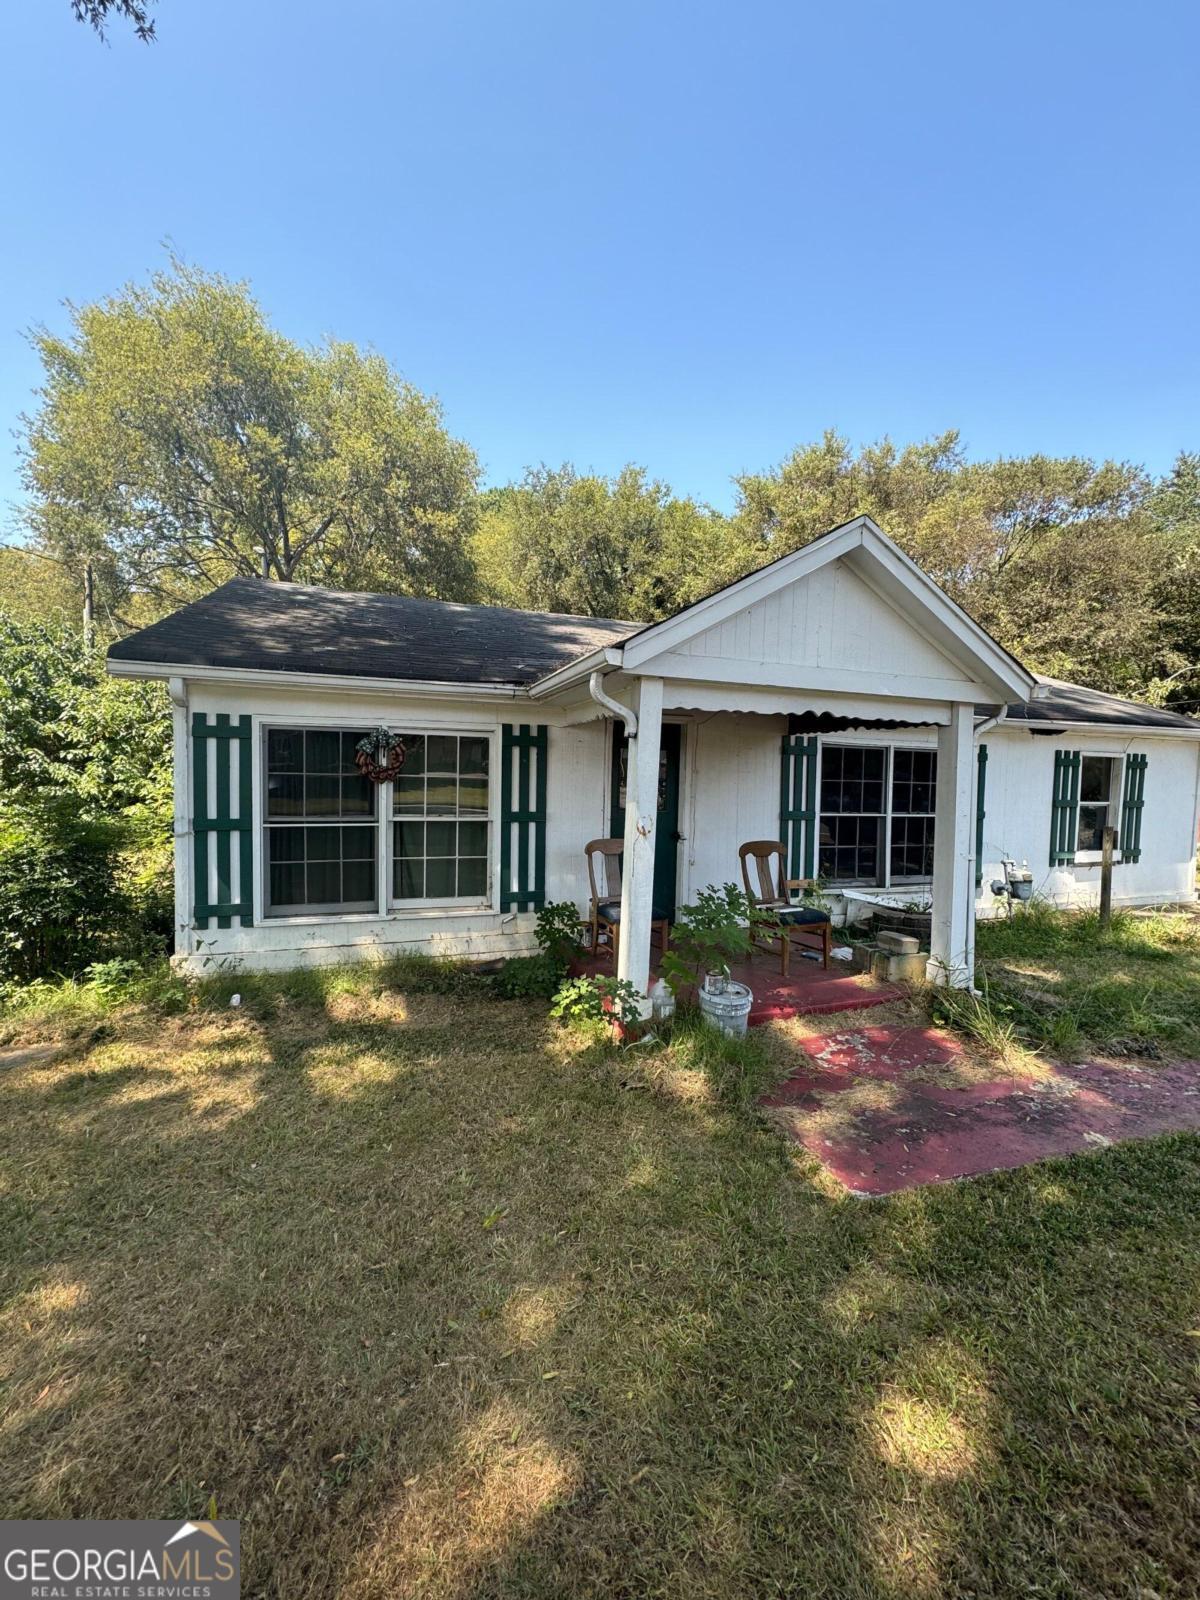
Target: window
{"points": [[877, 806], [852, 812], [1097, 806], [319, 822], [440, 847], [326, 826], [914, 784]]}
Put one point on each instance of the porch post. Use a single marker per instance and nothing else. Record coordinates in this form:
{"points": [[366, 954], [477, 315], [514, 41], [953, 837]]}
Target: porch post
{"points": [[641, 822], [952, 944]]}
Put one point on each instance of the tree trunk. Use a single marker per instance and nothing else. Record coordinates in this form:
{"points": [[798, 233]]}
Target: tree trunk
{"points": [[89, 606]]}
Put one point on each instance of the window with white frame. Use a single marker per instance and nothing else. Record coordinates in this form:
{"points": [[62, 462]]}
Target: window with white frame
{"points": [[877, 811], [440, 806], [319, 818], [1099, 800], [326, 826]]}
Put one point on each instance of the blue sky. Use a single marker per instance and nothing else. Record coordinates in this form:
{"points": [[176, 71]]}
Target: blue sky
{"points": [[690, 236]]}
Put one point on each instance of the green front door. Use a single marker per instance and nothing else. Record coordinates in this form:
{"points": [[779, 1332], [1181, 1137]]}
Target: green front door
{"points": [[666, 834]]}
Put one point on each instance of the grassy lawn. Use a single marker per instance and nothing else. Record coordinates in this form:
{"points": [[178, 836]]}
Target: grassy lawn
{"points": [[1062, 983], [440, 1300]]}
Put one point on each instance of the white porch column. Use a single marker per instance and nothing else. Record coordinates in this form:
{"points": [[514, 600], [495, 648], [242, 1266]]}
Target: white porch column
{"points": [[641, 822], [952, 945]]}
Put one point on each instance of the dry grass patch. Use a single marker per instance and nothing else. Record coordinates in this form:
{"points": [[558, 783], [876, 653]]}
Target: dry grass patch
{"points": [[442, 1301]]}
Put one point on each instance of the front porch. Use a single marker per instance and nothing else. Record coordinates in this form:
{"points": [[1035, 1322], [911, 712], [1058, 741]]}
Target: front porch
{"points": [[808, 990]]}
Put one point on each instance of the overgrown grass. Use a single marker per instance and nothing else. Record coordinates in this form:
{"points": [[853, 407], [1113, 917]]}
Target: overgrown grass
{"points": [[1057, 980], [441, 1301]]}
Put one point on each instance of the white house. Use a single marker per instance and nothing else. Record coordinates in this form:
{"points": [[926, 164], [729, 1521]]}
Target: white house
{"points": [[836, 699]]}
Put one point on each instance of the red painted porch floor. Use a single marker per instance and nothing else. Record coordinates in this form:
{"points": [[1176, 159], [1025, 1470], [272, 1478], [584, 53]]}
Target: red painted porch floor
{"points": [[807, 990], [891, 1107]]}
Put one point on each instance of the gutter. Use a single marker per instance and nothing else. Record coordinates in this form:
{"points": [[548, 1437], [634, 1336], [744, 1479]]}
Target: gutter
{"points": [[597, 692], [331, 682]]}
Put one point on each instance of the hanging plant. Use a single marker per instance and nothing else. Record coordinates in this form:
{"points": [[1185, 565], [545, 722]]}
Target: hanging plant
{"points": [[380, 755]]}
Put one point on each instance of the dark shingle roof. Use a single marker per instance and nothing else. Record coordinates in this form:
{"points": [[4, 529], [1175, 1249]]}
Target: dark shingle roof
{"points": [[1072, 702], [290, 627]]}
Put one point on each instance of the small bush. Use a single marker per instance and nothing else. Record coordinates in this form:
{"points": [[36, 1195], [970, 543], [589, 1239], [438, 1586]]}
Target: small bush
{"points": [[529, 978], [613, 1000]]}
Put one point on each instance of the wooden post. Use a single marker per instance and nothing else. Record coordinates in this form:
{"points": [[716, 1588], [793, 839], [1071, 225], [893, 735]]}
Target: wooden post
{"points": [[641, 823], [952, 934], [1106, 865]]}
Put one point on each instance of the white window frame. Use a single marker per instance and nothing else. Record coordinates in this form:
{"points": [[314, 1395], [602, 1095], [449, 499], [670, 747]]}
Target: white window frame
{"points": [[1116, 760], [886, 879], [386, 907]]}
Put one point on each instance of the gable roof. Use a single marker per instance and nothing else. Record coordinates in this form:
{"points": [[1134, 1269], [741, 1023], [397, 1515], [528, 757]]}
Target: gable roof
{"points": [[879, 563], [291, 627]]}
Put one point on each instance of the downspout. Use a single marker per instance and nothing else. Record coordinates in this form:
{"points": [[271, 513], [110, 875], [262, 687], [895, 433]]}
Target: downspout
{"points": [[985, 726], [177, 693], [597, 692]]}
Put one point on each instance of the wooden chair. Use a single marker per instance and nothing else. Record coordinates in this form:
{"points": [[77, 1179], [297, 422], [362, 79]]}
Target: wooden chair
{"points": [[770, 891], [604, 915]]}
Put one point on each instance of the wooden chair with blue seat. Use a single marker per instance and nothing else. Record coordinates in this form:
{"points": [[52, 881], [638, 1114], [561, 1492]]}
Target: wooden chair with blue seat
{"points": [[605, 914], [768, 889]]}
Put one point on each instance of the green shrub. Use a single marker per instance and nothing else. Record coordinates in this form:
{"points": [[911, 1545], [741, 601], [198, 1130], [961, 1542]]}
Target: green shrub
{"points": [[529, 978], [711, 933], [61, 900], [598, 1000], [560, 932]]}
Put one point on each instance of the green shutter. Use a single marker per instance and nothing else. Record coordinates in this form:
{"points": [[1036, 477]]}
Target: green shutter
{"points": [[1065, 808], [1132, 800], [798, 803], [980, 810], [213, 743], [523, 821]]}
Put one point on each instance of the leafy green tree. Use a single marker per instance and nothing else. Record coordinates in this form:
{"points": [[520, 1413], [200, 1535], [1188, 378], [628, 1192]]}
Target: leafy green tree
{"points": [[181, 440], [1055, 556], [98, 12], [1175, 508], [601, 547]]}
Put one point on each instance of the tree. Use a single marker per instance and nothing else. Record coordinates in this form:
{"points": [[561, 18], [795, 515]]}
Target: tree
{"points": [[1175, 509], [181, 440], [97, 12], [1055, 556], [601, 547]]}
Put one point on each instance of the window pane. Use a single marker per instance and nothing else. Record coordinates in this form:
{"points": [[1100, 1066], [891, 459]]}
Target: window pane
{"points": [[472, 878], [414, 754], [472, 755], [912, 847], [349, 749], [473, 797], [472, 838], [285, 795], [409, 879], [1092, 822], [322, 795], [440, 840], [322, 750], [439, 878], [849, 848], [1095, 778], [286, 885], [324, 883], [285, 750], [285, 844], [410, 838], [358, 844], [358, 882], [441, 796], [358, 796], [323, 844], [408, 795], [441, 753]]}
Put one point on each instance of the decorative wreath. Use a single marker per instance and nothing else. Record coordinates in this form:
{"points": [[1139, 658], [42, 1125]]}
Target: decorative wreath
{"points": [[380, 755]]}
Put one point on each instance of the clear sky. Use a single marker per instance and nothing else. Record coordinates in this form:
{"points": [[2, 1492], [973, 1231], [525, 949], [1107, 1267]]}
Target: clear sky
{"points": [[687, 235]]}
